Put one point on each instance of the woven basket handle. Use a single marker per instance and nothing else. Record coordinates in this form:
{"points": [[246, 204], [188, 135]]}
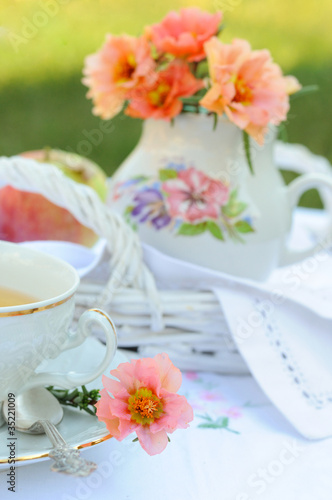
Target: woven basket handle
{"points": [[127, 266]]}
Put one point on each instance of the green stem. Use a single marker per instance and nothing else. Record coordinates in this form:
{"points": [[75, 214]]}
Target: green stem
{"points": [[231, 430], [246, 143]]}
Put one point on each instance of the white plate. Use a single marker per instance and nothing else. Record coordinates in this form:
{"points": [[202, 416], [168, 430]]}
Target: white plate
{"points": [[79, 429]]}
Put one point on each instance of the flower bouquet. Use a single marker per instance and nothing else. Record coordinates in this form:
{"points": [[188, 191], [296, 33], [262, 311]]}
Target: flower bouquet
{"points": [[181, 65]]}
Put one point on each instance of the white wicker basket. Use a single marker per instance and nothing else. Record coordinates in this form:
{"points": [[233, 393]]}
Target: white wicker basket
{"points": [[147, 319]]}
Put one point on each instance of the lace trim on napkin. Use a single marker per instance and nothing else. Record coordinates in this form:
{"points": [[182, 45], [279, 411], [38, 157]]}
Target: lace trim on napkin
{"points": [[278, 343]]}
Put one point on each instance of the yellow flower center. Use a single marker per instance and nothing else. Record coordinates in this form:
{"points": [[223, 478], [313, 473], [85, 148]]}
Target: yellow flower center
{"points": [[124, 69], [243, 92], [158, 96], [144, 406]]}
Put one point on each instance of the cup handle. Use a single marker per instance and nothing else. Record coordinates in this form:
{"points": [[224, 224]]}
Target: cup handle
{"points": [[293, 192], [71, 379]]}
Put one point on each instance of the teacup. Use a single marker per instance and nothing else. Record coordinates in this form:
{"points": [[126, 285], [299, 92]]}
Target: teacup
{"points": [[38, 327]]}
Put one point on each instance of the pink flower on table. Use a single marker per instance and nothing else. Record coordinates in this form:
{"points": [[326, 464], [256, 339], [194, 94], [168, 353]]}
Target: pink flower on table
{"points": [[184, 34], [211, 396], [194, 196], [160, 99], [233, 412], [192, 375], [144, 401], [120, 65], [247, 86]]}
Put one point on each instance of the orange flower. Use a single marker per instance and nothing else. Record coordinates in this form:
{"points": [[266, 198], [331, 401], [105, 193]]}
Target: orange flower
{"points": [[119, 66], [160, 98], [247, 86], [184, 34]]}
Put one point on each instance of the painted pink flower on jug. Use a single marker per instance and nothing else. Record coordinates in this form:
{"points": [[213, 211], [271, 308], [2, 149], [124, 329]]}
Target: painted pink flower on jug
{"points": [[119, 66], [194, 196], [247, 86], [144, 400], [183, 34]]}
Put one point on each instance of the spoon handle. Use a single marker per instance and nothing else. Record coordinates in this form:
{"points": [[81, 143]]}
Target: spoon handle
{"points": [[67, 460]]}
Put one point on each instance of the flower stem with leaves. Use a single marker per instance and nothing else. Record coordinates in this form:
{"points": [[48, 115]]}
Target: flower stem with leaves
{"points": [[83, 400]]}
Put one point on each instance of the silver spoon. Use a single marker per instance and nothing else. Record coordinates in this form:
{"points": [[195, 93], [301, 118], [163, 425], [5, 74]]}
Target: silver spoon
{"points": [[37, 411]]}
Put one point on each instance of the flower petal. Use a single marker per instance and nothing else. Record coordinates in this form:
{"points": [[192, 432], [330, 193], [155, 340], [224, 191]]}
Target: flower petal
{"points": [[125, 372], [112, 386], [177, 413], [170, 376], [146, 371], [152, 443]]}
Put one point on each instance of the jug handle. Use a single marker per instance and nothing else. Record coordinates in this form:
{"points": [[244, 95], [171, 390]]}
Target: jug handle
{"points": [[293, 192]]}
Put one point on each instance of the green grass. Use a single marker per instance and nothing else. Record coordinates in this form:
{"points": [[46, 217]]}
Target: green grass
{"points": [[42, 100]]}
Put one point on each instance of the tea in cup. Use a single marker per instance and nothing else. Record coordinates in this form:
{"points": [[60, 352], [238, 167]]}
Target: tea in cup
{"points": [[37, 300]]}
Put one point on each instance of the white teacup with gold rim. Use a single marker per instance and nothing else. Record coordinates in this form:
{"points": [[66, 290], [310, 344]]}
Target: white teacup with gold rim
{"points": [[36, 310]]}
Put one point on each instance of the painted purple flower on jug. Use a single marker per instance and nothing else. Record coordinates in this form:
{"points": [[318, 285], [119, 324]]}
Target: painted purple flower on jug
{"points": [[150, 206]]}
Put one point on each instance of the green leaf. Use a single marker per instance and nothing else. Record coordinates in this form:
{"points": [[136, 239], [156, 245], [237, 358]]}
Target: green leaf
{"points": [[135, 440], [215, 230], [205, 417], [231, 430], [209, 426], [282, 132], [194, 99], [215, 121], [140, 178], [308, 89], [202, 71], [129, 209], [167, 173], [243, 226], [234, 209], [220, 29], [192, 229], [162, 66], [246, 143], [233, 194], [187, 108], [224, 422], [154, 51]]}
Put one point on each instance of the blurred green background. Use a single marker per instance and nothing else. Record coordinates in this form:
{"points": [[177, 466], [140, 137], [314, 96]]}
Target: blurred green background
{"points": [[43, 44]]}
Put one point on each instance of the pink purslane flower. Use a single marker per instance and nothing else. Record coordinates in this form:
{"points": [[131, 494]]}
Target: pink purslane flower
{"points": [[247, 86], [194, 196], [120, 65], [160, 98], [144, 400], [184, 34]]}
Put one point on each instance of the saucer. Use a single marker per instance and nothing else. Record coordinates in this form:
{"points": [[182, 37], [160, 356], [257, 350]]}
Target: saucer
{"points": [[78, 428], [83, 259]]}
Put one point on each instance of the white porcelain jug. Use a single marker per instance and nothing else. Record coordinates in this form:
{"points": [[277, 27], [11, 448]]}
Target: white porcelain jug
{"points": [[188, 190]]}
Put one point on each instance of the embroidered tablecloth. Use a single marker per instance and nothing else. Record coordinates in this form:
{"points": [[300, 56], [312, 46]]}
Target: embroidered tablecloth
{"points": [[239, 447]]}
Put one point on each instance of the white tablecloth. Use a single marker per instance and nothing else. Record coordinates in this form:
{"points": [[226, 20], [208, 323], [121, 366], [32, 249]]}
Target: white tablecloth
{"points": [[239, 447]]}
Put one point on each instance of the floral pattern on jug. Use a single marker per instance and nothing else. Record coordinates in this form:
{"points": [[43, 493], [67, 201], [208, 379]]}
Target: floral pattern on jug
{"points": [[187, 202]]}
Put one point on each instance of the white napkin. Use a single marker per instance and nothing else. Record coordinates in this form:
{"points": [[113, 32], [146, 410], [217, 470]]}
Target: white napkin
{"points": [[282, 328]]}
